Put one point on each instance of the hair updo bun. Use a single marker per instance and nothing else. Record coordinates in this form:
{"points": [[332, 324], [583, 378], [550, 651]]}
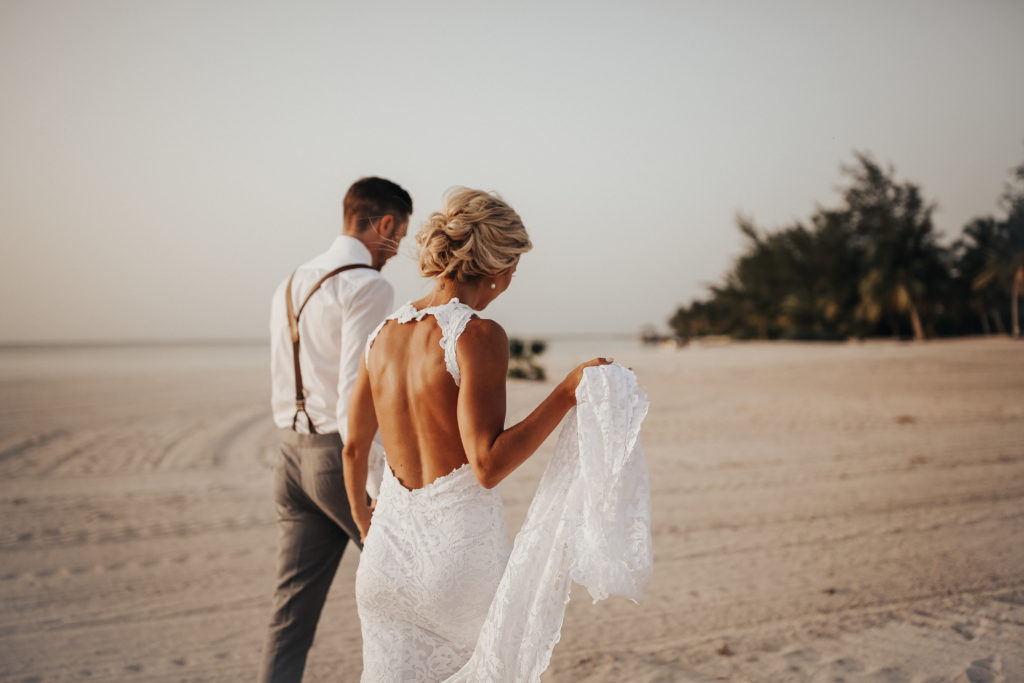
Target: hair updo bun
{"points": [[475, 234]]}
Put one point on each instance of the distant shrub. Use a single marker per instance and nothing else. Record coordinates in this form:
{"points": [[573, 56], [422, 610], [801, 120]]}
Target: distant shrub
{"points": [[522, 363]]}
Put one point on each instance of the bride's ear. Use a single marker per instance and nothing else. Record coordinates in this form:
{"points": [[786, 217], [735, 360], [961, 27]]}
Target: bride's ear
{"points": [[504, 278]]}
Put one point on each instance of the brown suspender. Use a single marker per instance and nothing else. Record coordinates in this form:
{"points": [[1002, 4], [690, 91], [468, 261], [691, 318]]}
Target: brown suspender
{"points": [[293, 324]]}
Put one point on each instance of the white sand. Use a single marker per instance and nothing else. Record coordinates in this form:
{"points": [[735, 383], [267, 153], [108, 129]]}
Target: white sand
{"points": [[821, 512]]}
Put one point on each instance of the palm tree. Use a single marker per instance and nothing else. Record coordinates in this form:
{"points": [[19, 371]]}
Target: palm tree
{"points": [[1018, 290], [979, 253], [894, 230], [990, 257], [1013, 262]]}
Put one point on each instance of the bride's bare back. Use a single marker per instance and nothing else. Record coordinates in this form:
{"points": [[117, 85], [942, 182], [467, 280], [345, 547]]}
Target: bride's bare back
{"points": [[416, 400], [433, 381]]}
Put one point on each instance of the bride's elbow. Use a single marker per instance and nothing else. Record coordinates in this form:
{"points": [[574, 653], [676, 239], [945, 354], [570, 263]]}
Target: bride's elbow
{"points": [[350, 452], [486, 476], [488, 482]]}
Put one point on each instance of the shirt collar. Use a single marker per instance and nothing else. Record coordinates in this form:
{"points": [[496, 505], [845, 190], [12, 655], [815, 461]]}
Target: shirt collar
{"points": [[350, 250]]}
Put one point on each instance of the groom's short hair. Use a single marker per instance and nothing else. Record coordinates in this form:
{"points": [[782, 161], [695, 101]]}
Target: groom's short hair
{"points": [[373, 197]]}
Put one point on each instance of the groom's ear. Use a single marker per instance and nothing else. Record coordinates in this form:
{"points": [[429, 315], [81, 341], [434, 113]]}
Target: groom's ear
{"points": [[386, 225]]}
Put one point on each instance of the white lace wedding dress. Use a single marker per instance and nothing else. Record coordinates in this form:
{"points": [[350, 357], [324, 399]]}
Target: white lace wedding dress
{"points": [[440, 597]]}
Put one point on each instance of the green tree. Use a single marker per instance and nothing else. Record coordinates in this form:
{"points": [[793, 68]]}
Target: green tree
{"points": [[1012, 270], [522, 359], [872, 265], [900, 253], [990, 261], [855, 270], [977, 263]]}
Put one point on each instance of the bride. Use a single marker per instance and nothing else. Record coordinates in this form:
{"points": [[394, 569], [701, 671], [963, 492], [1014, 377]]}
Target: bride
{"points": [[433, 381]]}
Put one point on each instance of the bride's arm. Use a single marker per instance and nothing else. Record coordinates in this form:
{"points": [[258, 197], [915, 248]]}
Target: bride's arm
{"points": [[362, 425], [493, 451]]}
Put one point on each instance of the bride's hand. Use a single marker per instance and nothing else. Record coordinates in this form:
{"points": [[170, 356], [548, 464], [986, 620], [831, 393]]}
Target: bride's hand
{"points": [[363, 521], [573, 379]]}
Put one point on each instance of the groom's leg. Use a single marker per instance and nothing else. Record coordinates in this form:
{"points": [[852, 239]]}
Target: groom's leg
{"points": [[323, 481], [311, 546]]}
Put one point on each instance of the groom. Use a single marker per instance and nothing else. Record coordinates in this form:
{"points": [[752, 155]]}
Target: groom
{"points": [[320, 318]]}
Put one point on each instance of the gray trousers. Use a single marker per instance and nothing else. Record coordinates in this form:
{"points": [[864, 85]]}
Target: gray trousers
{"points": [[315, 525]]}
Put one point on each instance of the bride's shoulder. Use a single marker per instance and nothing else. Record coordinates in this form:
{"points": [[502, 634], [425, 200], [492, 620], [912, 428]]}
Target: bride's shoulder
{"points": [[483, 335]]}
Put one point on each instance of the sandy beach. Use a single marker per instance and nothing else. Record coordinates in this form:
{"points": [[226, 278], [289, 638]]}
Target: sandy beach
{"points": [[822, 512]]}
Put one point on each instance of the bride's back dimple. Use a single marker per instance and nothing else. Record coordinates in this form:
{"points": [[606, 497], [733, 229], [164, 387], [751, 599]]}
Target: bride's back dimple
{"points": [[413, 375]]}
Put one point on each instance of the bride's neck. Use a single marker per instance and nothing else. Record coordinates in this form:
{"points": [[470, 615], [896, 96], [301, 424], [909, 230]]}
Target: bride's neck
{"points": [[469, 293]]}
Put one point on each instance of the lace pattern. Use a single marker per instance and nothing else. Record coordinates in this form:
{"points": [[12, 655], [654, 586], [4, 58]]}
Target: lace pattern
{"points": [[428, 572]]}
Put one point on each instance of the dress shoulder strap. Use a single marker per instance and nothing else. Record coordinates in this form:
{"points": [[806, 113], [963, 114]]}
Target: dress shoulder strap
{"points": [[373, 335], [451, 317], [452, 320]]}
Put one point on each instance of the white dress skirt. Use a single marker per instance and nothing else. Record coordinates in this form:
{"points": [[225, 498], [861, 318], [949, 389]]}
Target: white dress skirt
{"points": [[428, 573]]}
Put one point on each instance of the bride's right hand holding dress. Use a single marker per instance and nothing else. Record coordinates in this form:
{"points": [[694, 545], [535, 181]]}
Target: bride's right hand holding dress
{"points": [[573, 379]]}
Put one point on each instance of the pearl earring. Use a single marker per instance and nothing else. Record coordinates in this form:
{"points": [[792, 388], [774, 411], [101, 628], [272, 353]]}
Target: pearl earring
{"points": [[494, 286]]}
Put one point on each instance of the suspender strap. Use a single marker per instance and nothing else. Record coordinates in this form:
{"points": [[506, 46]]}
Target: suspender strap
{"points": [[293, 325]]}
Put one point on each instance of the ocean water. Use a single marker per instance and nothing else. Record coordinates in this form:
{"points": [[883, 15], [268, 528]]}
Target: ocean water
{"points": [[104, 359], [586, 345], [18, 362]]}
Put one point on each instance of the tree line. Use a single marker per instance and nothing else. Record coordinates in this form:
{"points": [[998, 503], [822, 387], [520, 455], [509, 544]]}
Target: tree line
{"points": [[873, 266]]}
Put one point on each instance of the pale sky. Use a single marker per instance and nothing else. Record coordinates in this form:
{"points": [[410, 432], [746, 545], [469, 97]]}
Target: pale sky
{"points": [[165, 164]]}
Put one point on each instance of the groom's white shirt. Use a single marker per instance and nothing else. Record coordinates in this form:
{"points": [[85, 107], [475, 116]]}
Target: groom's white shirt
{"points": [[332, 334]]}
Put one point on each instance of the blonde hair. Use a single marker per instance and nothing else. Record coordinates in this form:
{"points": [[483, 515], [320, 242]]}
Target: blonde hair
{"points": [[475, 234]]}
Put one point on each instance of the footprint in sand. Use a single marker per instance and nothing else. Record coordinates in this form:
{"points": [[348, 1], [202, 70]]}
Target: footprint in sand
{"points": [[987, 670], [134, 668], [801, 656], [889, 674], [798, 659], [964, 629], [846, 665]]}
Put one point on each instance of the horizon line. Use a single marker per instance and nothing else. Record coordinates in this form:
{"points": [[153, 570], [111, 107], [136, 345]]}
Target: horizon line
{"points": [[14, 345]]}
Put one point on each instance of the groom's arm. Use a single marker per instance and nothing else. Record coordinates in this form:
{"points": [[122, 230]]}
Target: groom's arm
{"points": [[363, 310], [362, 425]]}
